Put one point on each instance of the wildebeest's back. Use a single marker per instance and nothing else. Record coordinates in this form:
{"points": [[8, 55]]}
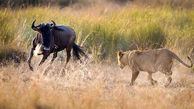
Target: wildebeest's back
{"points": [[63, 36]]}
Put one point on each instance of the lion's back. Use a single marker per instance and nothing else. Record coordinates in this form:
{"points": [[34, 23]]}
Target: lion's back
{"points": [[150, 60]]}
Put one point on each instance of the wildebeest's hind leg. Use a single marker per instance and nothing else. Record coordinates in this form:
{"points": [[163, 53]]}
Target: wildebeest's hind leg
{"points": [[54, 57], [30, 58], [68, 50], [43, 59]]}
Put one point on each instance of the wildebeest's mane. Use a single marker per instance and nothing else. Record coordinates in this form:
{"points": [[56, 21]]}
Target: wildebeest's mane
{"points": [[60, 28]]}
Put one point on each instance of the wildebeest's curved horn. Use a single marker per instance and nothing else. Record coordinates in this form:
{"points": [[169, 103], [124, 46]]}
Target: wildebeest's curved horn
{"points": [[34, 27], [33, 23], [54, 24]]}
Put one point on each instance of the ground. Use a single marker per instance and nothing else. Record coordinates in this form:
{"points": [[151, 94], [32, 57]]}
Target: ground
{"points": [[90, 85]]}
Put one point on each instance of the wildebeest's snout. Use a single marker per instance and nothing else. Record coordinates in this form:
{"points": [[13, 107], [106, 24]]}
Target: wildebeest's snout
{"points": [[44, 48]]}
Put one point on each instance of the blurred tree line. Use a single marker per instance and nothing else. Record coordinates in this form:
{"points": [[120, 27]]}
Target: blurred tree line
{"points": [[27, 3], [62, 3]]}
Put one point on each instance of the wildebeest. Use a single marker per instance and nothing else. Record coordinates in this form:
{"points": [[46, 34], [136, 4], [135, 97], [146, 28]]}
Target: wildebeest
{"points": [[52, 38]]}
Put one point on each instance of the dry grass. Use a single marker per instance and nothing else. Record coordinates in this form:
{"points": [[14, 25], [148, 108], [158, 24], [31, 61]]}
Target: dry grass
{"points": [[91, 86]]}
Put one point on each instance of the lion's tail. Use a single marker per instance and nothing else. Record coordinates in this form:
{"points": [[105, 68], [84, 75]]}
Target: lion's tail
{"points": [[177, 58]]}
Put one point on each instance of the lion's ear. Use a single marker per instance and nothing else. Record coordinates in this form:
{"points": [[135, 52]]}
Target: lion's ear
{"points": [[120, 54]]}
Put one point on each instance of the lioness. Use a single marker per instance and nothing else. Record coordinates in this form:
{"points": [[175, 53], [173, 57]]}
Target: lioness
{"points": [[150, 61]]}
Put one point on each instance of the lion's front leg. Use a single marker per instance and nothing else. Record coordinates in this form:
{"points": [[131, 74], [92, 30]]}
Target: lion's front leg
{"points": [[134, 76], [152, 81]]}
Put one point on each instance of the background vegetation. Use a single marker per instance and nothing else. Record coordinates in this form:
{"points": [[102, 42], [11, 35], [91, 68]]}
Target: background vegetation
{"points": [[62, 3], [102, 29]]}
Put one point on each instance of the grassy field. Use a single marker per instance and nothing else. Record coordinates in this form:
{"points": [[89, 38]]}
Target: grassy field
{"points": [[97, 83], [102, 30]]}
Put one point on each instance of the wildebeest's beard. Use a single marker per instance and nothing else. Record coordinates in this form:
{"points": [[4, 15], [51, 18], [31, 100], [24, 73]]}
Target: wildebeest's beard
{"points": [[46, 35]]}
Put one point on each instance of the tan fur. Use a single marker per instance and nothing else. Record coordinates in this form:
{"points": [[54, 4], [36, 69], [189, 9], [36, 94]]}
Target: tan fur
{"points": [[150, 61]]}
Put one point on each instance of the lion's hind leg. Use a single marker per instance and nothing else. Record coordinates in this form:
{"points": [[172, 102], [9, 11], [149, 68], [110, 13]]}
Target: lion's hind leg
{"points": [[134, 76], [169, 78], [152, 81]]}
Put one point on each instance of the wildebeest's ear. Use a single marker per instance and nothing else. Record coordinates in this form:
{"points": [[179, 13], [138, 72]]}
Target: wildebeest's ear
{"points": [[53, 24]]}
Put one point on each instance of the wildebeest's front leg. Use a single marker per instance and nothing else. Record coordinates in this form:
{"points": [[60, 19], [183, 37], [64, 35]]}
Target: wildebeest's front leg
{"points": [[44, 58], [30, 58], [54, 57]]}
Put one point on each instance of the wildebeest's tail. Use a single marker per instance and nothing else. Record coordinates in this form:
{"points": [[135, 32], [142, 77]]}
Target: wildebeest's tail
{"points": [[77, 51]]}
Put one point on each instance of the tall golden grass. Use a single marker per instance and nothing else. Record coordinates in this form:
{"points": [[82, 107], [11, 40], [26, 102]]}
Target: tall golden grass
{"points": [[104, 29]]}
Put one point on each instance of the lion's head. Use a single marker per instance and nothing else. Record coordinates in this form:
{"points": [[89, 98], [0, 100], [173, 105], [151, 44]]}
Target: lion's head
{"points": [[122, 59]]}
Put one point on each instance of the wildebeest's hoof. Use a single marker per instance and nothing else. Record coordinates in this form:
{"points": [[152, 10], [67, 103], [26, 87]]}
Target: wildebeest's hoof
{"points": [[31, 68]]}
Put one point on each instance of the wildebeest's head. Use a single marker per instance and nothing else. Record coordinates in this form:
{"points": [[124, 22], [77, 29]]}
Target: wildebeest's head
{"points": [[45, 30]]}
